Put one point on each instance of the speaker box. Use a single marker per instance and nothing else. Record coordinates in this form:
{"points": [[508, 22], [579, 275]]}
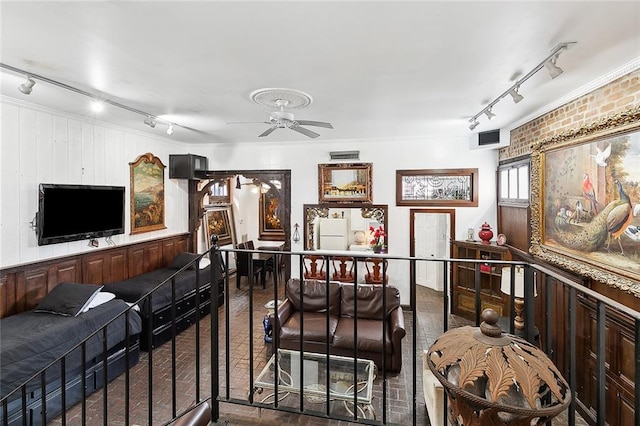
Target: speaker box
{"points": [[491, 137], [187, 166]]}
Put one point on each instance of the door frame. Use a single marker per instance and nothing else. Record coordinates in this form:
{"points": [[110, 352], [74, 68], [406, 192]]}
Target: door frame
{"points": [[412, 242]]}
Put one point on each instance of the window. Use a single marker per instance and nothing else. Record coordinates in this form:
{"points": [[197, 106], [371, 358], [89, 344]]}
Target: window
{"points": [[514, 182]]}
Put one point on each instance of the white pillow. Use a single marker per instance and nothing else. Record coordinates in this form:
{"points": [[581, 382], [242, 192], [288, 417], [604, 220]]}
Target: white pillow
{"points": [[204, 262], [100, 298]]}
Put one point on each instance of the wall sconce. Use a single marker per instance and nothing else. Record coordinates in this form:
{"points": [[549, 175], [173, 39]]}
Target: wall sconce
{"points": [[296, 233]]}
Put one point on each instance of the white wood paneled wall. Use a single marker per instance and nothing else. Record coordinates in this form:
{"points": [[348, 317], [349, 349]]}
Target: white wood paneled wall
{"points": [[40, 146]]}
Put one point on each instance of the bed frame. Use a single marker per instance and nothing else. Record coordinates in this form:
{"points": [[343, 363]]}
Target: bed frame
{"points": [[162, 330], [116, 365]]}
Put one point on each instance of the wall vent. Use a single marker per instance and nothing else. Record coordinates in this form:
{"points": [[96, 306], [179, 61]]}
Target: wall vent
{"points": [[345, 155]]}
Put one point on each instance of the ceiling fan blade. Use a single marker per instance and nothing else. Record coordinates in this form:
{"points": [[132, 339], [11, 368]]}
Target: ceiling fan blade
{"points": [[304, 131], [315, 123], [268, 131], [247, 122]]}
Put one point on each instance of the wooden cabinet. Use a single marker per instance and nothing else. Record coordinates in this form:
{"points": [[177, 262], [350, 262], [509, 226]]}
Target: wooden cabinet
{"points": [[464, 273]]}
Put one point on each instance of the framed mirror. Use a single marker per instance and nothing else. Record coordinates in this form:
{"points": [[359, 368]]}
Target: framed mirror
{"points": [[343, 227]]}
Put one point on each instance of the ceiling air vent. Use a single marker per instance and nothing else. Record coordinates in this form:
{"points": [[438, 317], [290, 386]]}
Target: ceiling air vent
{"points": [[345, 155]]}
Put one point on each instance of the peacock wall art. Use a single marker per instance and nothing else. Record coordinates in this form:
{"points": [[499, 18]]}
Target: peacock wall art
{"points": [[591, 201]]}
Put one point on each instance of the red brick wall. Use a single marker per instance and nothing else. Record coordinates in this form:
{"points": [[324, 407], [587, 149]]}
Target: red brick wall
{"points": [[611, 99]]}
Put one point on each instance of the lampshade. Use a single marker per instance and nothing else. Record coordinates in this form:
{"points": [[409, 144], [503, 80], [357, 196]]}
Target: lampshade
{"points": [[505, 284]]}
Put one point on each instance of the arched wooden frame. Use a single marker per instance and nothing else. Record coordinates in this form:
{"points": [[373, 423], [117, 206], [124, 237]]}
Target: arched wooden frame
{"points": [[147, 187]]}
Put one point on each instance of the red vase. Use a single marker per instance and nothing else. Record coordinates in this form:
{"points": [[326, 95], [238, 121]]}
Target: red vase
{"points": [[485, 234]]}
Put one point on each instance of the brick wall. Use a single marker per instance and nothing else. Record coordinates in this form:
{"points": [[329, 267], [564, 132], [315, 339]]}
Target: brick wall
{"points": [[610, 99]]}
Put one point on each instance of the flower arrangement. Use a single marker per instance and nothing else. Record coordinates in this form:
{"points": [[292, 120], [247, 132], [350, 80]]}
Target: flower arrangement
{"points": [[377, 242]]}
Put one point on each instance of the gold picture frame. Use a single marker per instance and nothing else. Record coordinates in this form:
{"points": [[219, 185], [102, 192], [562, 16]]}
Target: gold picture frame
{"points": [[584, 192], [437, 187], [270, 220], [218, 220], [344, 183], [147, 194]]}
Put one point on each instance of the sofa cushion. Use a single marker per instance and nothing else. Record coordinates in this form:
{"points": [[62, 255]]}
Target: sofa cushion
{"points": [[369, 301], [315, 327], [369, 335], [315, 296]]}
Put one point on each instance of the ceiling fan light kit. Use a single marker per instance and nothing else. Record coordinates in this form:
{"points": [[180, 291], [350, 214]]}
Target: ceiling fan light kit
{"points": [[283, 100]]}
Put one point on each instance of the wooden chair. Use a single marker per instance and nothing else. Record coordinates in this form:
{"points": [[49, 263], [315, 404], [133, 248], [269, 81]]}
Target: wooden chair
{"points": [[312, 270], [374, 270], [344, 270], [243, 260]]}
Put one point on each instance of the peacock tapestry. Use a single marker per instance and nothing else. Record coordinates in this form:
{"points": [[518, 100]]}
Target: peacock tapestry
{"points": [[586, 215]]}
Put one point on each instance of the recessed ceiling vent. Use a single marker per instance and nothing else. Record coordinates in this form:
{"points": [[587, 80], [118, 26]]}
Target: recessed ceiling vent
{"points": [[345, 155]]}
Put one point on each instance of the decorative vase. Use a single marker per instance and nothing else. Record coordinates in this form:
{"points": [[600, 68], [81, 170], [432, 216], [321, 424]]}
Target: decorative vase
{"points": [[485, 234], [377, 249]]}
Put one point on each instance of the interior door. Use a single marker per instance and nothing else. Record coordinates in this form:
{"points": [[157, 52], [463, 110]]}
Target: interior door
{"points": [[431, 233]]}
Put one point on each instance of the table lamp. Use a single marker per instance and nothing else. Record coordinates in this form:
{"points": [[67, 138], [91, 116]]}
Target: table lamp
{"points": [[505, 287]]}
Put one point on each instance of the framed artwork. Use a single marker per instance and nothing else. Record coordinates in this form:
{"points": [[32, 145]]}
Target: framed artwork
{"points": [[218, 220], [585, 200], [437, 187], [270, 217], [344, 183], [147, 194]]}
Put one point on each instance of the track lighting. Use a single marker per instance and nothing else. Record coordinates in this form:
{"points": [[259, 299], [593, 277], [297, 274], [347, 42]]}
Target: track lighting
{"points": [[27, 86], [98, 99], [517, 97], [489, 114], [553, 69], [97, 106], [150, 122], [549, 63]]}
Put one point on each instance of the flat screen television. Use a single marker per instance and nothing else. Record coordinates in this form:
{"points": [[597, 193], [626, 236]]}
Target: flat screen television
{"points": [[78, 212]]}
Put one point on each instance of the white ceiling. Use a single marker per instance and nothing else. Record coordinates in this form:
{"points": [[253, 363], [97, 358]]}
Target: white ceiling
{"points": [[374, 69]]}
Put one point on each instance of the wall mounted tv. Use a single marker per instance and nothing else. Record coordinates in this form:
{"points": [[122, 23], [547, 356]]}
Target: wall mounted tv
{"points": [[78, 212]]}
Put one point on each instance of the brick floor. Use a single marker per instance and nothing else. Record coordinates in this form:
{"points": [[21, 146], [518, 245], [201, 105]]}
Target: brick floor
{"points": [[241, 359]]}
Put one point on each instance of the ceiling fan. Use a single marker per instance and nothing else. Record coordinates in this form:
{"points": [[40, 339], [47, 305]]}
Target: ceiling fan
{"points": [[285, 120]]}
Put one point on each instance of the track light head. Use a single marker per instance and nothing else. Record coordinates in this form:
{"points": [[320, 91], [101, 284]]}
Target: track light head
{"points": [[489, 114], [473, 125], [170, 129], [553, 69], [517, 97], [27, 86], [150, 122]]}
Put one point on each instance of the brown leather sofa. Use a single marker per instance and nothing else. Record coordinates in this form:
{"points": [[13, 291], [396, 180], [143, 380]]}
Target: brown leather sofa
{"points": [[311, 311]]}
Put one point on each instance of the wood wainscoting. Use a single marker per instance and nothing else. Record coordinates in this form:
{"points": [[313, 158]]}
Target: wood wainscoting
{"points": [[23, 286]]}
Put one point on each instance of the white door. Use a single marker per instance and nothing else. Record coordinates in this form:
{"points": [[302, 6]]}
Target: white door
{"points": [[431, 236]]}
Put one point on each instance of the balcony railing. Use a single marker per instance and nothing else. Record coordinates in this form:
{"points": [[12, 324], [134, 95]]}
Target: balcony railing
{"points": [[220, 357]]}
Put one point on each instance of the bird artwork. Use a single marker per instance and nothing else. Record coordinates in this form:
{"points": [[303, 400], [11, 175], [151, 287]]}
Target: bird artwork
{"points": [[589, 193], [620, 217], [581, 213], [601, 156], [633, 232]]}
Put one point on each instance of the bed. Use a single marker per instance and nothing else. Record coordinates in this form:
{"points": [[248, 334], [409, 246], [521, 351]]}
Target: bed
{"points": [[157, 305], [31, 341]]}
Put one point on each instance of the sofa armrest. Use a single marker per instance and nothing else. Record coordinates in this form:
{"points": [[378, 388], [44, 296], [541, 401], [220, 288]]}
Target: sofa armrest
{"points": [[396, 322], [285, 309]]}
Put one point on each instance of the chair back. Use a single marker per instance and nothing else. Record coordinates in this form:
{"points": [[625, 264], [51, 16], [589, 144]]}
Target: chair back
{"points": [[374, 270], [313, 270], [249, 245], [343, 269], [242, 261]]}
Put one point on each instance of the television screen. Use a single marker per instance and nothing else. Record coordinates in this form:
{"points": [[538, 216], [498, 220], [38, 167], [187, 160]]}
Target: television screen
{"points": [[78, 212]]}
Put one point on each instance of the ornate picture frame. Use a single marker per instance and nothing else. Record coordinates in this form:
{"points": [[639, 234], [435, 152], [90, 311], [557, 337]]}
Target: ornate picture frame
{"points": [[585, 200], [218, 219], [437, 187], [270, 221], [147, 194], [344, 183]]}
